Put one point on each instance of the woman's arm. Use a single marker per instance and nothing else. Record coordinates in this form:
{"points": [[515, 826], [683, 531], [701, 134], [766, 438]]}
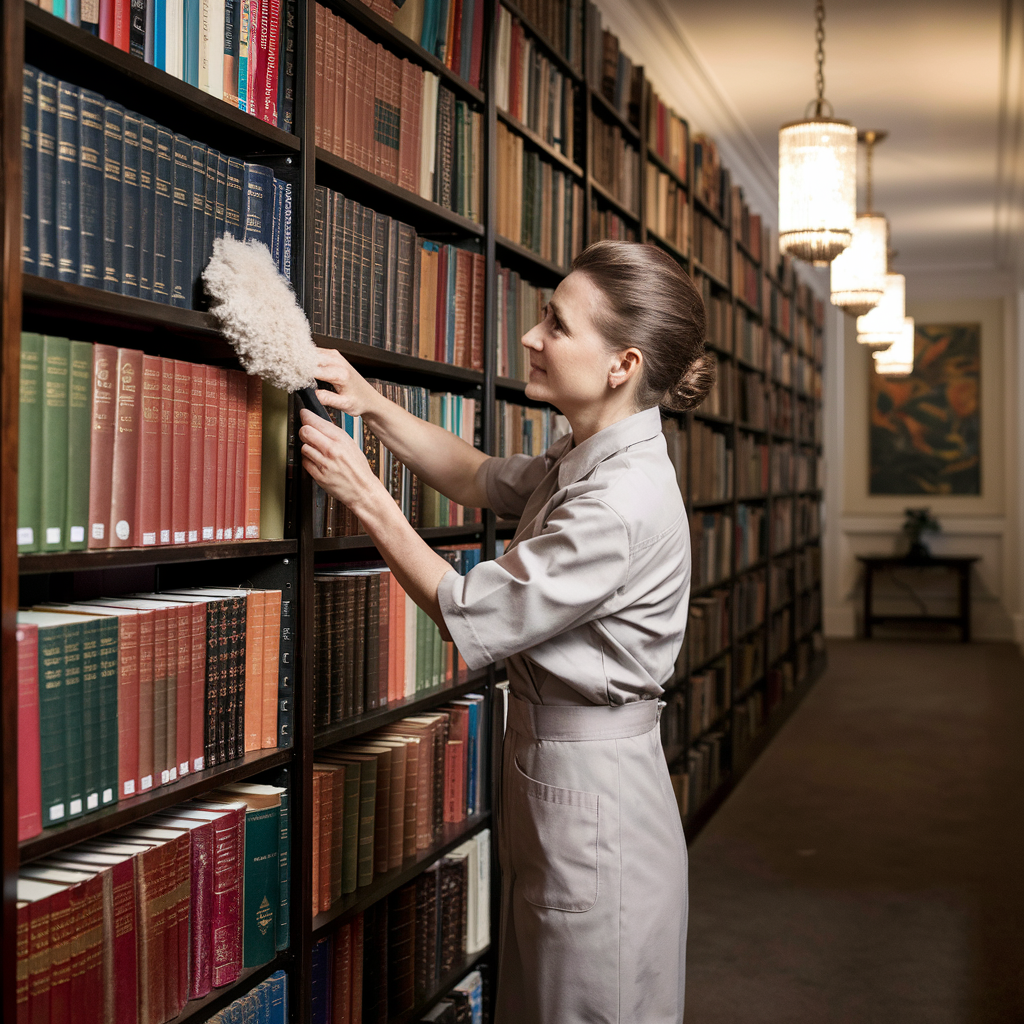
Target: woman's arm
{"points": [[335, 462], [435, 455]]}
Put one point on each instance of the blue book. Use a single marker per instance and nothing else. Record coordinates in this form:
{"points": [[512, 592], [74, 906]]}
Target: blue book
{"points": [[29, 184], [198, 258], [159, 34], [190, 48], [220, 202], [234, 201], [46, 174], [60, 9], [258, 210], [113, 154], [428, 34], [210, 208], [181, 223], [131, 214], [286, 233], [91, 111], [137, 28], [440, 47], [73, 12], [275, 244], [163, 215], [67, 182], [285, 853], [320, 980], [278, 985], [147, 205]]}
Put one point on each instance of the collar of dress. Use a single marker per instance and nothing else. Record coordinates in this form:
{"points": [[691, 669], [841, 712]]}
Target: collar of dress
{"points": [[576, 463]]}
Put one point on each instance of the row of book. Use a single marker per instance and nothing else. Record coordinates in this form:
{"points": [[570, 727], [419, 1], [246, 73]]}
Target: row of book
{"points": [[808, 611], [752, 465], [452, 31], [241, 51], [750, 346], [781, 362], [752, 399], [266, 1003], [668, 136], [540, 206], [710, 246], [119, 695], [377, 283], [615, 164], [526, 430], [750, 597], [749, 661], [746, 279], [372, 644], [782, 524], [530, 88], [705, 766], [783, 467], [808, 426], [608, 223], [781, 409], [560, 24], [711, 545], [667, 209], [610, 72], [780, 310], [746, 226], [748, 718], [780, 582], [709, 177], [380, 798], [719, 400], [711, 464], [131, 926], [808, 520], [751, 535], [808, 567], [119, 449], [708, 626], [520, 306], [779, 633], [720, 315], [421, 504], [710, 693], [112, 200], [380, 963]]}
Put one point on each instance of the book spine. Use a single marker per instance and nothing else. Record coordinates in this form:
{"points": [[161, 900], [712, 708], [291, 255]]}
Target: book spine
{"points": [[146, 730], [124, 469], [74, 734], [196, 411], [284, 863], [235, 515], [91, 716], [197, 719], [165, 503], [289, 32], [123, 950], [46, 174], [163, 216], [244, 27], [56, 369], [30, 430], [161, 769], [183, 730], [261, 897], [109, 736], [191, 42], [199, 914], [180, 247], [270, 16], [147, 205], [113, 156], [155, 882], [131, 199], [210, 214], [231, 27], [198, 207], [30, 815], [271, 657], [147, 502], [79, 446], [29, 182], [67, 164], [285, 681], [181, 429]]}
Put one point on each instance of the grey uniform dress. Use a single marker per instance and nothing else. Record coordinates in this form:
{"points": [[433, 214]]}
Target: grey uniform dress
{"points": [[587, 607]]}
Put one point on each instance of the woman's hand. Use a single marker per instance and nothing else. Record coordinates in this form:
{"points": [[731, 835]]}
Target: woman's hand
{"points": [[335, 461], [351, 394]]}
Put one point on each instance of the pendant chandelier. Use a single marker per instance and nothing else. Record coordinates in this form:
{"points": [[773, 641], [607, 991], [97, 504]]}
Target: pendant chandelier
{"points": [[883, 325], [858, 273], [817, 175], [898, 360]]}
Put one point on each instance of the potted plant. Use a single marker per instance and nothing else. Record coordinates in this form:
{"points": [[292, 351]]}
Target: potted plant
{"points": [[919, 521]]}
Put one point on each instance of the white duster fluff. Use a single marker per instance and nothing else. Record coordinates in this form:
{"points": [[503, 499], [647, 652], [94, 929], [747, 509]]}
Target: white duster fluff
{"points": [[259, 314]]}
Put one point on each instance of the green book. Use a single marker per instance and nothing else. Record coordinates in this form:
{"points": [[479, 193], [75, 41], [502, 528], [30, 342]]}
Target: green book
{"points": [[91, 712], [108, 724], [53, 774], [30, 431], [350, 835], [367, 766], [74, 713], [79, 444], [54, 448]]}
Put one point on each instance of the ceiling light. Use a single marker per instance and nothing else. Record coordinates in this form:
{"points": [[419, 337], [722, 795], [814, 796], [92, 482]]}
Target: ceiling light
{"points": [[883, 325], [898, 360]]}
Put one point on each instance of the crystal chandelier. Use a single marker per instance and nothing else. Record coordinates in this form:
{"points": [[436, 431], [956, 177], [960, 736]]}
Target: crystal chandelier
{"points": [[898, 359], [817, 175], [858, 273], [883, 325]]}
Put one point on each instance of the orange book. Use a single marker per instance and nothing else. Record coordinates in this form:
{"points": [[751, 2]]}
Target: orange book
{"points": [[221, 451], [271, 659], [325, 839], [330, 82], [181, 441], [167, 480], [317, 807], [339, 84], [255, 603], [253, 456], [234, 502]]}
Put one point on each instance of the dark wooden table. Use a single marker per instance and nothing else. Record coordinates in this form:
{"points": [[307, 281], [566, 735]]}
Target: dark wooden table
{"points": [[961, 565]]}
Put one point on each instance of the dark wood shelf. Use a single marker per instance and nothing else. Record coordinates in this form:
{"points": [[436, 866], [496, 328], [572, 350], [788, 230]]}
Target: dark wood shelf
{"points": [[357, 725], [748, 499], [111, 558], [505, 246], [426, 216], [719, 282], [68, 50], [455, 833], [663, 166], [750, 308], [445, 986], [711, 503], [545, 147], [747, 251], [702, 208], [668, 247], [373, 25], [711, 417], [134, 808], [617, 205], [361, 542], [381, 359], [607, 111], [552, 54], [510, 384]]}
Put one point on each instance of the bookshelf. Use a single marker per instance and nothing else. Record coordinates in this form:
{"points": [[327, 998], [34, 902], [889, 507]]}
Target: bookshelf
{"points": [[787, 388]]}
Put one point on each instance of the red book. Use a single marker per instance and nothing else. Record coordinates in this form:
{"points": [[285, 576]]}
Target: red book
{"points": [[166, 449], [317, 842], [513, 65], [337, 129], [350, 93], [147, 501], [237, 490], [454, 764], [372, 52], [107, 21], [40, 898], [62, 935], [124, 466], [384, 632], [331, 76], [341, 988], [410, 102], [253, 456], [21, 963], [181, 430], [101, 452], [477, 46], [476, 359], [196, 413], [30, 811], [184, 690], [383, 165], [211, 433], [221, 451], [441, 327], [271, 68], [453, 54], [122, 24]]}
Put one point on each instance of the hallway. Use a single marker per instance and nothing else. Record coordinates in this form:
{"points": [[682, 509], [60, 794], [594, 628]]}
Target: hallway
{"points": [[869, 869]]}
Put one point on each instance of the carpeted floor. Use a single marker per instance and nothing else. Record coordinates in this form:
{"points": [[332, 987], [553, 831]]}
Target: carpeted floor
{"points": [[869, 869]]}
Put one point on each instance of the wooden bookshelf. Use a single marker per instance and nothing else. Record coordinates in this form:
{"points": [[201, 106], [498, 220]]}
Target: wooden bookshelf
{"points": [[33, 303]]}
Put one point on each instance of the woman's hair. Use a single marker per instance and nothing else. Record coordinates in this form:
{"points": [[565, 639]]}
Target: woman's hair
{"points": [[652, 305]]}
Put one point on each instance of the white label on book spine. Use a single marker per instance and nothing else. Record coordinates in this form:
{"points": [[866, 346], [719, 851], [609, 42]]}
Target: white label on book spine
{"points": [[183, 768], [98, 529], [108, 796], [92, 801], [53, 535], [56, 812], [146, 782], [193, 536], [165, 777], [148, 538], [165, 536], [179, 536], [122, 529], [197, 764], [129, 787], [76, 807], [26, 535], [77, 534], [207, 533]]}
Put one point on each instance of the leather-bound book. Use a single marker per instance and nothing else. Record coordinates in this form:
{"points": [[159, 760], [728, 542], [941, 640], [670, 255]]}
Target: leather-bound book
{"points": [[455, 763], [401, 949], [239, 493], [271, 660], [382, 805], [427, 938], [375, 964], [336, 85], [325, 113], [196, 418], [372, 641], [316, 842], [101, 451], [166, 449], [318, 88], [181, 455], [147, 505], [253, 456], [30, 819], [416, 783], [333, 845], [226, 523], [324, 819], [365, 842], [79, 444], [220, 451], [211, 444], [41, 899], [452, 913], [124, 471], [320, 982], [341, 976]]}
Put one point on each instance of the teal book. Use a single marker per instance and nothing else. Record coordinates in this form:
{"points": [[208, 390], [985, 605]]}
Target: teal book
{"points": [[74, 714], [285, 851], [30, 435], [89, 633], [79, 444], [54, 443]]}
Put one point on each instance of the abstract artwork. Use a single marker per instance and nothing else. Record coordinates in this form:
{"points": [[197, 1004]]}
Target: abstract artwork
{"points": [[925, 428]]}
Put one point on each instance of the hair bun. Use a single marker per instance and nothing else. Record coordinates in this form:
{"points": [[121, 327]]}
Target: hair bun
{"points": [[694, 385]]}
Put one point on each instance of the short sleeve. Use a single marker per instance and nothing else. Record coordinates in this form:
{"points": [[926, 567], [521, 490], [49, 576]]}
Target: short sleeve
{"points": [[510, 481], [545, 586]]}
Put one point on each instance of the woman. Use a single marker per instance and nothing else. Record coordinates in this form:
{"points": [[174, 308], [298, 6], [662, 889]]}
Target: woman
{"points": [[587, 606]]}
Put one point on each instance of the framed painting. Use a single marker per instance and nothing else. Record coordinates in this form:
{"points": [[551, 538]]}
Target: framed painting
{"points": [[926, 428]]}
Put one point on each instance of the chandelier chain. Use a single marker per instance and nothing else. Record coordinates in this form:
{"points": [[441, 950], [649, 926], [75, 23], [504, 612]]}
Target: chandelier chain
{"points": [[819, 35]]}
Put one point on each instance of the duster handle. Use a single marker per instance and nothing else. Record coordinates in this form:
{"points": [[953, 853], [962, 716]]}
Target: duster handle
{"points": [[306, 397]]}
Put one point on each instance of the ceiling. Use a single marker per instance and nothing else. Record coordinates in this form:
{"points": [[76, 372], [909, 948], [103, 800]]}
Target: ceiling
{"points": [[942, 77]]}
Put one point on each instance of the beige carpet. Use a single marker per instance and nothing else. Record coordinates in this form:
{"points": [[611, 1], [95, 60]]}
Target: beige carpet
{"points": [[870, 867]]}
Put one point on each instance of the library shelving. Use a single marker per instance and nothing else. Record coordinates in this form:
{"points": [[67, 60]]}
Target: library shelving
{"points": [[755, 660]]}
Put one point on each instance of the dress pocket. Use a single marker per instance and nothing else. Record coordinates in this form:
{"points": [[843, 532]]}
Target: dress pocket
{"points": [[554, 844]]}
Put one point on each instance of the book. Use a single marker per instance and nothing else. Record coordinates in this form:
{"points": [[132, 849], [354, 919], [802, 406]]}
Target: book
{"points": [[30, 820], [30, 431], [80, 423], [56, 369], [67, 199]]}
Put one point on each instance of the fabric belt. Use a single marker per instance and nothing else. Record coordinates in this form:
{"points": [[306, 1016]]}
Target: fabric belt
{"points": [[582, 721]]}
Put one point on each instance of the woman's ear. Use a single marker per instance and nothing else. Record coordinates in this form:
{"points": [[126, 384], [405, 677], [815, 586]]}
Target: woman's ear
{"points": [[625, 367]]}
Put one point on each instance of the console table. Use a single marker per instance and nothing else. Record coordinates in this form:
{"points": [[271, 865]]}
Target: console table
{"points": [[960, 565]]}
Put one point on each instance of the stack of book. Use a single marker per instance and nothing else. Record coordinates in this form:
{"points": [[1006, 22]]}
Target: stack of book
{"points": [[377, 283], [750, 341], [241, 51], [710, 695], [782, 524], [452, 32], [131, 926], [711, 464], [610, 72], [540, 206], [710, 246], [559, 22], [668, 209], [112, 200], [118, 695], [708, 174], [615, 164], [711, 543], [118, 449], [605, 223], [530, 88], [781, 409], [380, 798], [751, 465], [751, 535], [526, 430], [667, 136], [750, 602], [381, 962], [267, 1003], [520, 306], [707, 627]]}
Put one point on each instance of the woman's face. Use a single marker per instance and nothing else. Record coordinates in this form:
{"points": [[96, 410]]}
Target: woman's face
{"points": [[571, 365]]}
